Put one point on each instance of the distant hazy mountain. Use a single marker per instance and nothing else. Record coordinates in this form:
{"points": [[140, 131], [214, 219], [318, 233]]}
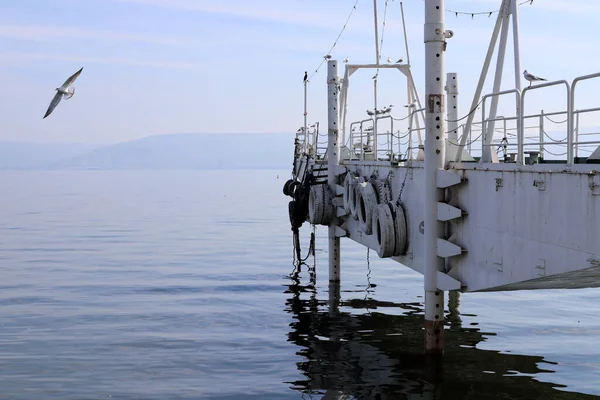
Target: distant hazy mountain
{"points": [[188, 151], [24, 155]]}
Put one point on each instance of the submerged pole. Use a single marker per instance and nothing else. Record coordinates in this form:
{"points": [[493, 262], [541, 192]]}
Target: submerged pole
{"points": [[435, 45], [333, 160]]}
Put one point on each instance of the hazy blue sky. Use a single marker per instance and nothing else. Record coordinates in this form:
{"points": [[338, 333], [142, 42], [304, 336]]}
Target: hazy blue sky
{"points": [[175, 66]]}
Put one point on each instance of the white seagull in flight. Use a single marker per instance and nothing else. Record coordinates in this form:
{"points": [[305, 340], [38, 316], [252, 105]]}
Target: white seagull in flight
{"points": [[66, 90], [531, 77]]}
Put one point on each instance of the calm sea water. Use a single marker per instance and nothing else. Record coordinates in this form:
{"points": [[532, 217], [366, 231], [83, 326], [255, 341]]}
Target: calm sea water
{"points": [[181, 285]]}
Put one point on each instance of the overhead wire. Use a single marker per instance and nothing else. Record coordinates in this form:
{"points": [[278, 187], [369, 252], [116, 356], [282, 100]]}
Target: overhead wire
{"points": [[336, 40]]}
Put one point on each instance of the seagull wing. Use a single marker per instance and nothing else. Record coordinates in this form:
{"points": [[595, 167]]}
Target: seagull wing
{"points": [[71, 79], [53, 104]]}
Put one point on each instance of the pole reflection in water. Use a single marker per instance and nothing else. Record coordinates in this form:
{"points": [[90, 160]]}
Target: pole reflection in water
{"points": [[348, 353]]}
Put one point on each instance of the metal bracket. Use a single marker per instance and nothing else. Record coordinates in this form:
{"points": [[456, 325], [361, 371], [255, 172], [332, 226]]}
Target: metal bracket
{"points": [[541, 267], [338, 202], [541, 185], [339, 232], [339, 190], [445, 179], [445, 249], [446, 212]]}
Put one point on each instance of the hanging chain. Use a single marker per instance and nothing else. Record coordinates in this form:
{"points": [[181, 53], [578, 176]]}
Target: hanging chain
{"points": [[408, 169]]}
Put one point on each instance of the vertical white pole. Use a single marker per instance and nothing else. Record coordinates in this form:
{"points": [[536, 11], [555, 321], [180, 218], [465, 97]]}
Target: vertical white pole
{"points": [[576, 134], [486, 66], [333, 159], [405, 36], [542, 134], [514, 9], [305, 144], [434, 160], [376, 78], [488, 129], [452, 89]]}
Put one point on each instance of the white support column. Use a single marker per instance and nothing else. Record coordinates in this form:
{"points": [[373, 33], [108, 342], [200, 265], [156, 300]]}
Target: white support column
{"points": [[435, 146], [377, 56], [333, 160], [452, 89], [452, 113], [488, 128], [514, 9], [305, 109], [482, 77]]}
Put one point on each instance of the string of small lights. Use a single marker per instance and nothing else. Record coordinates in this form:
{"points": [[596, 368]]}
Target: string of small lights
{"points": [[488, 13], [455, 12], [337, 39]]}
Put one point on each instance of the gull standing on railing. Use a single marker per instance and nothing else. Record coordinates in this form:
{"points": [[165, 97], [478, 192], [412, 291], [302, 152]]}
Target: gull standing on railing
{"points": [[66, 90], [531, 78]]}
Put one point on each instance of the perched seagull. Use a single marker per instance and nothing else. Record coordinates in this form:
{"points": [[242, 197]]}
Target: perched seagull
{"points": [[531, 78], [328, 57], [399, 61], [305, 76], [66, 90], [389, 59], [346, 59], [370, 113], [388, 109]]}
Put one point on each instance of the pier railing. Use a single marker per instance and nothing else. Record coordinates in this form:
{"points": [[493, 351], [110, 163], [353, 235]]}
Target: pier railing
{"points": [[308, 141], [397, 140], [527, 138], [557, 136]]}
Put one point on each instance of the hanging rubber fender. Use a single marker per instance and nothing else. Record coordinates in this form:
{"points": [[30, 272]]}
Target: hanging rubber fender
{"points": [[286, 187], [400, 227], [384, 191], [353, 199], [384, 230], [349, 187], [320, 206], [292, 188], [295, 214], [299, 193], [367, 200]]}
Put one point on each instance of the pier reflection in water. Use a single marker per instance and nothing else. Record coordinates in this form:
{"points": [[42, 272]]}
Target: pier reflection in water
{"points": [[363, 352]]}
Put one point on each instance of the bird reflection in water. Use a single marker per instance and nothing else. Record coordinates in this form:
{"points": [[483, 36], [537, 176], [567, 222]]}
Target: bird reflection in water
{"points": [[352, 349]]}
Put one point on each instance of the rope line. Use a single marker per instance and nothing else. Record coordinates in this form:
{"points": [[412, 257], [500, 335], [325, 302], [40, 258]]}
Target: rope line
{"points": [[555, 122]]}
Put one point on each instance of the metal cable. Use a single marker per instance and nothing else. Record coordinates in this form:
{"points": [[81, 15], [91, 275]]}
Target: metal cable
{"points": [[466, 144], [337, 39], [470, 112]]}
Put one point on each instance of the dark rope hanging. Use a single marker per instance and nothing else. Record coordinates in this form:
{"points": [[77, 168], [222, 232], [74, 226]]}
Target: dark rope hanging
{"points": [[298, 250]]}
